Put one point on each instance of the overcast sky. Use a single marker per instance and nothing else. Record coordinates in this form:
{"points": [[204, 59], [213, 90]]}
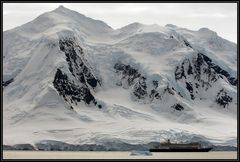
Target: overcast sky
{"points": [[220, 17]]}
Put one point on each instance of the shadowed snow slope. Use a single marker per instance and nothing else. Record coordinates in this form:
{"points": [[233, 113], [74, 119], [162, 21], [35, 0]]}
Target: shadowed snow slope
{"points": [[70, 78]]}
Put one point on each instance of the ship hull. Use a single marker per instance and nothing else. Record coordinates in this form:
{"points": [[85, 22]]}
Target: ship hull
{"points": [[181, 150]]}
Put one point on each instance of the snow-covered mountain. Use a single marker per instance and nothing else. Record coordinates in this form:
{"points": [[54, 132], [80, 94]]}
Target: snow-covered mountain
{"points": [[70, 78]]}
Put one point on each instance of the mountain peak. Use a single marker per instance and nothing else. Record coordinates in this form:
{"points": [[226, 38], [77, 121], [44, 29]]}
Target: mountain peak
{"points": [[206, 30], [131, 26], [171, 26], [61, 7]]}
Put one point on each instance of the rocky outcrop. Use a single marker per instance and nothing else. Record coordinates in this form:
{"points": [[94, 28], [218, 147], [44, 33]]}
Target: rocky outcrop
{"points": [[140, 88], [197, 74], [75, 92], [6, 83], [190, 89], [128, 74], [223, 99], [71, 92], [178, 107], [232, 80], [180, 73], [77, 65], [187, 43]]}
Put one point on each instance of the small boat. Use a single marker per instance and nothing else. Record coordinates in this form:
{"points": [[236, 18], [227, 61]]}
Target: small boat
{"points": [[176, 147]]}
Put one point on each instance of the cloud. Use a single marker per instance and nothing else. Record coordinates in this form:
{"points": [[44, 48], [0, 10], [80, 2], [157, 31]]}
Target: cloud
{"points": [[214, 15]]}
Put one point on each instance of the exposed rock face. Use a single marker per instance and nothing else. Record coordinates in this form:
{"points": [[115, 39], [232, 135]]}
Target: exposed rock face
{"points": [[77, 65], [6, 83], [219, 70], [201, 73], [130, 77], [70, 91], [187, 43], [178, 107], [140, 88], [198, 73], [154, 93], [128, 74], [179, 73], [205, 75], [190, 89], [223, 98]]}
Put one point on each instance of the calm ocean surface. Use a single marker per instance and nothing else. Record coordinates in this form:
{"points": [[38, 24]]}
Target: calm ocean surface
{"points": [[116, 155]]}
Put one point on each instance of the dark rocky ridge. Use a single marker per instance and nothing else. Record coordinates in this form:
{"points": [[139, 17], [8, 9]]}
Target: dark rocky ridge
{"points": [[190, 89], [223, 98], [198, 71], [6, 83], [219, 70], [178, 107], [138, 81], [132, 76], [140, 88], [76, 64], [127, 72], [187, 43], [202, 73], [179, 73], [70, 91]]}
